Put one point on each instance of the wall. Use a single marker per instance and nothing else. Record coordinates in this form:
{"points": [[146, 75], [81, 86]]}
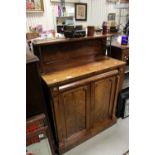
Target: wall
{"points": [[43, 18], [46, 18], [97, 11]]}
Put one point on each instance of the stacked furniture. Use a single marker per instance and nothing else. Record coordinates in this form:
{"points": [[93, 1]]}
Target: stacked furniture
{"points": [[37, 125]]}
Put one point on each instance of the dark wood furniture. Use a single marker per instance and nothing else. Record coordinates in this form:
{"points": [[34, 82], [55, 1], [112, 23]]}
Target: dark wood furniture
{"points": [[34, 96], [35, 101], [121, 52], [81, 85]]}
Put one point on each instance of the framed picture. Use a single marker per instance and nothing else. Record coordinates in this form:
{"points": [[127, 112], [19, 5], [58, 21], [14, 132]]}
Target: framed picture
{"points": [[111, 16], [80, 11], [34, 6]]}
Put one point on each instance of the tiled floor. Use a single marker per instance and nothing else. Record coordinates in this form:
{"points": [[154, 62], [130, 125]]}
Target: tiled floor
{"points": [[112, 141]]}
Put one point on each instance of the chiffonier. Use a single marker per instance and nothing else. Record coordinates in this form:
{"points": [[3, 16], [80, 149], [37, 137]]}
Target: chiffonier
{"points": [[81, 85]]}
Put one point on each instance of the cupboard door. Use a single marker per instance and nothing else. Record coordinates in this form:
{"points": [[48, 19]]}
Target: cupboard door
{"points": [[72, 114], [104, 99], [76, 110]]}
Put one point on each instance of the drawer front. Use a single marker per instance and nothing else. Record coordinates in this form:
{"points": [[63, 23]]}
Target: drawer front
{"points": [[87, 80]]}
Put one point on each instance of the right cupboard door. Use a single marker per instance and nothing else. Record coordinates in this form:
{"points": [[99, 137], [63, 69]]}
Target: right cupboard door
{"points": [[104, 93]]}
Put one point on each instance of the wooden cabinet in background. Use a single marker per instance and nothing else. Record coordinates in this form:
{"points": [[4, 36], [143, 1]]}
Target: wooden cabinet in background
{"points": [[120, 52], [34, 94], [35, 102], [81, 85]]}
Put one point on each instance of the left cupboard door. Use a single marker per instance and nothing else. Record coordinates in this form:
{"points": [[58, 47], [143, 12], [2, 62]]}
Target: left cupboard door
{"points": [[72, 112]]}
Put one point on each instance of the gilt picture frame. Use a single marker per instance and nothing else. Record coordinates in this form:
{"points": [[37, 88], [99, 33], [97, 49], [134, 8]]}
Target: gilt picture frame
{"points": [[34, 6], [81, 11]]}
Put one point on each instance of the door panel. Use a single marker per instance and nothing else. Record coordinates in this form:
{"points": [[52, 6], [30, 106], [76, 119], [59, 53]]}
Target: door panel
{"points": [[104, 99], [76, 110]]}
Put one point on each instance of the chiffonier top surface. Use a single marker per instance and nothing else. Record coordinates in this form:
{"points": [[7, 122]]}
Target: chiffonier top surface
{"points": [[66, 75]]}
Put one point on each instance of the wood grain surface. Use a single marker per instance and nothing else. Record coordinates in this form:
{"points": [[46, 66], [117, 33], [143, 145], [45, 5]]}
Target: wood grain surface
{"points": [[106, 63]]}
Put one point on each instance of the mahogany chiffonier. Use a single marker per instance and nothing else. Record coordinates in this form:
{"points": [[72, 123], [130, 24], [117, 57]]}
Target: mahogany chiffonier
{"points": [[81, 86]]}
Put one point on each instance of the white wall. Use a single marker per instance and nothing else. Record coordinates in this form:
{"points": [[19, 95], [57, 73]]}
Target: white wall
{"points": [[97, 11], [43, 18], [46, 18]]}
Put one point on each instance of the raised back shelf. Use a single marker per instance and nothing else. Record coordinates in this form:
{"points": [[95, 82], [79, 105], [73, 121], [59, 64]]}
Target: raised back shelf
{"points": [[71, 52]]}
